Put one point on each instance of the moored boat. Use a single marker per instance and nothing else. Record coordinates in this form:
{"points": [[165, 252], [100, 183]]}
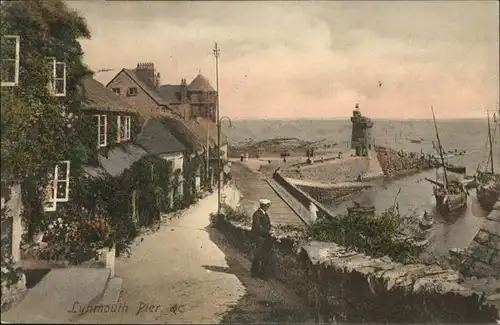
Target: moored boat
{"points": [[450, 195], [488, 188], [469, 182], [456, 168]]}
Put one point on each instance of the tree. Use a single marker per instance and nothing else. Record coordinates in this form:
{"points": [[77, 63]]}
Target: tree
{"points": [[36, 131]]}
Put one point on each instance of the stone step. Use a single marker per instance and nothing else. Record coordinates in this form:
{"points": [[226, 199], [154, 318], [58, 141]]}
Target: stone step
{"points": [[112, 292], [54, 297]]}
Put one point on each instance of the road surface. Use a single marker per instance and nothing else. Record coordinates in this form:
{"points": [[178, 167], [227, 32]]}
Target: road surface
{"points": [[186, 273]]}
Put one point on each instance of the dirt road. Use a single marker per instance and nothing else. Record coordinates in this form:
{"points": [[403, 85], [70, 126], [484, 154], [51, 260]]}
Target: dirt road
{"points": [[186, 273]]}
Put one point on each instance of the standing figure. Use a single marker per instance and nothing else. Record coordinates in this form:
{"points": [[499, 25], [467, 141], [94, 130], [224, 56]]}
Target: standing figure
{"points": [[242, 157], [261, 229]]}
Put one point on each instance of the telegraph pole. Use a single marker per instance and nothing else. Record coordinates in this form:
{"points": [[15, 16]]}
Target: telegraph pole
{"points": [[216, 54]]}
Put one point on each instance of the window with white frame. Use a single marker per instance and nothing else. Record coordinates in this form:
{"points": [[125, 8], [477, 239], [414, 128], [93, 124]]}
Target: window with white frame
{"points": [[10, 60], [57, 190], [57, 78], [124, 126], [127, 127], [102, 130]]}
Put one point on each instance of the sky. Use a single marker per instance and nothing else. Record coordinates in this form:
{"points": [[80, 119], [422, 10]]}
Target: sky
{"points": [[312, 59]]}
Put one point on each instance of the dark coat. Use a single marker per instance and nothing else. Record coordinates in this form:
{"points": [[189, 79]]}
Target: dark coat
{"points": [[261, 224]]}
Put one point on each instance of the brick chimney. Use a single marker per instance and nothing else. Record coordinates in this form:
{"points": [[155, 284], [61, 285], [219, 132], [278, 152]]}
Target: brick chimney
{"points": [[146, 73], [157, 80], [184, 91]]}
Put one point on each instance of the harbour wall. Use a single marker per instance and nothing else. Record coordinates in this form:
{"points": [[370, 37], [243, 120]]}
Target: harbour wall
{"points": [[331, 170], [307, 192], [345, 286]]}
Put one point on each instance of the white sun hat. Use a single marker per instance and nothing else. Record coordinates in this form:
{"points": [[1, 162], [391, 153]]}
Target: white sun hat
{"points": [[264, 201]]}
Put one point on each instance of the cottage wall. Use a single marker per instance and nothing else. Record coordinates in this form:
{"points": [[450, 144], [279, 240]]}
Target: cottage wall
{"points": [[141, 101], [177, 159]]}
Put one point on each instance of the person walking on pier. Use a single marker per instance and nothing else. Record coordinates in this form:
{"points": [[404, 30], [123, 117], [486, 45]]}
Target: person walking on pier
{"points": [[261, 232]]}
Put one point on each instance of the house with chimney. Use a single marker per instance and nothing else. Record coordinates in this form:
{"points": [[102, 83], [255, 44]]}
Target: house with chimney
{"points": [[189, 110], [124, 136]]}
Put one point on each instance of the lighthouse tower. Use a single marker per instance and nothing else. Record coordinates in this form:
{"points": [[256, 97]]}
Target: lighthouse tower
{"points": [[361, 139]]}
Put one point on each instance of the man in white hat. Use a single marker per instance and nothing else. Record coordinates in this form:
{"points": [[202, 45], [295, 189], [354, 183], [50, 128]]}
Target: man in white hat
{"points": [[261, 228]]}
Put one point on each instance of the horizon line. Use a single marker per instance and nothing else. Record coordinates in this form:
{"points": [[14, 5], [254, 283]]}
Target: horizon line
{"points": [[334, 118]]}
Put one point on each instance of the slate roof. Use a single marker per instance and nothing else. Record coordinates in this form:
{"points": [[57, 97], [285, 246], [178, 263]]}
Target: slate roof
{"points": [[200, 83], [121, 158], [156, 138], [170, 92], [180, 130], [96, 96], [483, 254]]}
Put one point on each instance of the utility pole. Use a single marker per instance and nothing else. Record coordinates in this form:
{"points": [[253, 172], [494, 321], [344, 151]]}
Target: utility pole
{"points": [[208, 155], [216, 54], [490, 140]]}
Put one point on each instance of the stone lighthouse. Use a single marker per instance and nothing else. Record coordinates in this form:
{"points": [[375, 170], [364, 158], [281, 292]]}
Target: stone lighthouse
{"points": [[361, 139]]}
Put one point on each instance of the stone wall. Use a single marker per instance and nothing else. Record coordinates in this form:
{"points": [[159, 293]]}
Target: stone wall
{"points": [[483, 255], [350, 287], [394, 163]]}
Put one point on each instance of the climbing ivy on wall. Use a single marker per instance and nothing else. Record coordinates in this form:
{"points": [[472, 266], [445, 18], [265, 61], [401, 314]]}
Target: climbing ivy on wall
{"points": [[38, 129], [191, 169]]}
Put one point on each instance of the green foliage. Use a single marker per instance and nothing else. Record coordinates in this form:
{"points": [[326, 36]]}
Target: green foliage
{"points": [[373, 234], [34, 131], [234, 215], [191, 169], [38, 130], [37, 127]]}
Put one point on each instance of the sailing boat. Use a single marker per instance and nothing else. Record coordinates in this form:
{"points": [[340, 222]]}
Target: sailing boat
{"points": [[488, 189], [450, 195]]}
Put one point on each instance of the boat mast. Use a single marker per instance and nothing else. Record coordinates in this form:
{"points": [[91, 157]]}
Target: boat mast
{"points": [[491, 144], [440, 149]]}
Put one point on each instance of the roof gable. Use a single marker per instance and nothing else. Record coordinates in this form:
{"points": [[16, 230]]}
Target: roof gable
{"points": [[151, 92]]}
